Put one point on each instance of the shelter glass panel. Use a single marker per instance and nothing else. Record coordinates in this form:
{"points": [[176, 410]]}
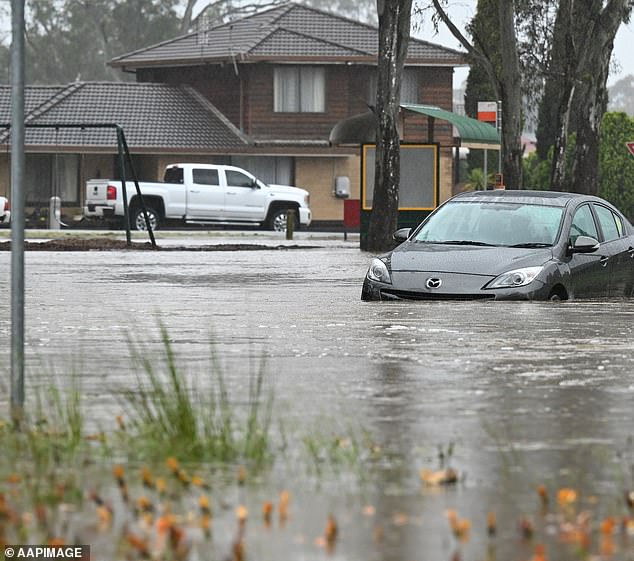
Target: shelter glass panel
{"points": [[419, 183]]}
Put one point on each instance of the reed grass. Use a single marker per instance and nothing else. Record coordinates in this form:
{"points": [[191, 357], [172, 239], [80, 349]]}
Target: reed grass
{"points": [[167, 414]]}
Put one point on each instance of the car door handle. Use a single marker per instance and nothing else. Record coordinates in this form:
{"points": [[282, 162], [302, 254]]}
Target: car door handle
{"points": [[604, 260], [192, 191]]}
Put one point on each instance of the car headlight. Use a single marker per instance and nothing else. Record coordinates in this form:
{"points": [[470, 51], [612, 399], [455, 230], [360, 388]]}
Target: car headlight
{"points": [[378, 271], [517, 277]]}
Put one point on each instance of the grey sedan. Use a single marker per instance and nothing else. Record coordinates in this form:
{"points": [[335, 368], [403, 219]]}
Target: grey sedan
{"points": [[510, 245]]}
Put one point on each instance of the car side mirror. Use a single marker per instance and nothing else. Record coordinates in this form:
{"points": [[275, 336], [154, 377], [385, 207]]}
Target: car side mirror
{"points": [[254, 184], [401, 234], [585, 244]]}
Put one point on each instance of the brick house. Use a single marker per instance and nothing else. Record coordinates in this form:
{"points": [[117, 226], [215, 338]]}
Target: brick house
{"points": [[263, 92]]}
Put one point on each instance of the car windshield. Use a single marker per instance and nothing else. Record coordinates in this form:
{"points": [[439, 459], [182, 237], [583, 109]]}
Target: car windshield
{"points": [[492, 223]]}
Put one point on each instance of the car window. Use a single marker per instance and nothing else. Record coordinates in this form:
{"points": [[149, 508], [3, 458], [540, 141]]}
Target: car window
{"points": [[173, 175], [238, 179], [203, 176], [583, 224], [608, 221]]}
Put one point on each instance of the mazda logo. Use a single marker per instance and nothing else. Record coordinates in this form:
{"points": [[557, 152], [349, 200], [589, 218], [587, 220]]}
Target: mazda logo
{"points": [[433, 282]]}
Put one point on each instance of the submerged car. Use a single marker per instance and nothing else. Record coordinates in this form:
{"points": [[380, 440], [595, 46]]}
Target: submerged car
{"points": [[510, 245]]}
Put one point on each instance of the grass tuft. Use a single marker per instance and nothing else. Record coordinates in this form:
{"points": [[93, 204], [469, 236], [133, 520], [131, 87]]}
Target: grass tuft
{"points": [[168, 415]]}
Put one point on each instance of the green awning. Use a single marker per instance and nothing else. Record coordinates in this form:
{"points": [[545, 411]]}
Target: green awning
{"points": [[471, 130]]}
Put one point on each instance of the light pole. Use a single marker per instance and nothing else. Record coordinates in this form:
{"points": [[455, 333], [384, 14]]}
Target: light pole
{"points": [[17, 207]]}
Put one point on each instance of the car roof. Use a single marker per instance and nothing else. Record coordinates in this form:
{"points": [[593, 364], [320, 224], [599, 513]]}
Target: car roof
{"points": [[547, 198]]}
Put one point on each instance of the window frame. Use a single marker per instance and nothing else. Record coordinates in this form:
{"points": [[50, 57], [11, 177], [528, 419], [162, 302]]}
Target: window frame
{"points": [[618, 223], [593, 217], [307, 79]]}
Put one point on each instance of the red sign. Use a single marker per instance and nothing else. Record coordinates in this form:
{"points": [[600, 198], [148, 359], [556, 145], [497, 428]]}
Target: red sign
{"points": [[487, 111], [630, 147]]}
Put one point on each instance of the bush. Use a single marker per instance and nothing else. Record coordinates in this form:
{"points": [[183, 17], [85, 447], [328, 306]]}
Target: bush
{"points": [[616, 164]]}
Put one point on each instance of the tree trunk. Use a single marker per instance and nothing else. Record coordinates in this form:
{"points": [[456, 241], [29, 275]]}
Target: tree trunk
{"points": [[502, 66], [593, 96], [394, 29], [558, 96], [510, 87]]}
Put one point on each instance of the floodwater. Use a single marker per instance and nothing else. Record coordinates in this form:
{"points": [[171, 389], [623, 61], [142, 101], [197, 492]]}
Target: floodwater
{"points": [[514, 394]]}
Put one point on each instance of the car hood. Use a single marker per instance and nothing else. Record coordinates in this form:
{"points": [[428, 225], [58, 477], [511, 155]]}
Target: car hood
{"points": [[472, 260], [287, 190]]}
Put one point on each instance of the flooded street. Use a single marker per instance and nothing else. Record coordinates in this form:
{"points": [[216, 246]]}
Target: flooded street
{"points": [[513, 394]]}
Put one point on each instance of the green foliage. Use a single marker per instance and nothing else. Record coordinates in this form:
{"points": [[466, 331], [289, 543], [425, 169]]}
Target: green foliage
{"points": [[332, 449], [48, 447], [616, 164], [167, 415], [537, 172], [475, 180]]}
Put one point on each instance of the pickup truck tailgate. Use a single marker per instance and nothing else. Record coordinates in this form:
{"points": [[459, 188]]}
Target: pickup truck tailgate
{"points": [[97, 191]]}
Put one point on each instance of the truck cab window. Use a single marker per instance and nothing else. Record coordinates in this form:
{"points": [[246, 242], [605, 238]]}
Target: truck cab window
{"points": [[238, 179], [205, 176], [173, 175]]}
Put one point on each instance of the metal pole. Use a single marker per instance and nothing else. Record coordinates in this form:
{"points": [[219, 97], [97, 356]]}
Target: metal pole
{"points": [[135, 177], [17, 208], [499, 128], [126, 213]]}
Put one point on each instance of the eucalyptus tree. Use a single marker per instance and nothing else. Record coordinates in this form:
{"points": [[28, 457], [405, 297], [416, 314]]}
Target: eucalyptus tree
{"points": [[68, 40], [394, 32], [495, 49], [563, 49], [591, 52]]}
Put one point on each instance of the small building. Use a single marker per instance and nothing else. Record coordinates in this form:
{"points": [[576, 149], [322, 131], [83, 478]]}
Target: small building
{"points": [[263, 92]]}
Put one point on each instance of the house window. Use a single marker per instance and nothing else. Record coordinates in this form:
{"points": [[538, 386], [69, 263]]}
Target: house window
{"points": [[409, 87], [51, 175], [270, 169], [299, 89]]}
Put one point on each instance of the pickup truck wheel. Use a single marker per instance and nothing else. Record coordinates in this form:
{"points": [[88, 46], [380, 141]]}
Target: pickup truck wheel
{"points": [[138, 219], [278, 220]]}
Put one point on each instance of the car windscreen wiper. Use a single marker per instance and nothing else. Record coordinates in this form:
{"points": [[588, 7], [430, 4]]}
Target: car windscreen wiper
{"points": [[532, 244], [466, 242]]}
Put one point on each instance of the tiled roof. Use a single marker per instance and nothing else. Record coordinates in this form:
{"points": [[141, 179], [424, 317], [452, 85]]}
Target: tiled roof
{"points": [[153, 116], [289, 32]]}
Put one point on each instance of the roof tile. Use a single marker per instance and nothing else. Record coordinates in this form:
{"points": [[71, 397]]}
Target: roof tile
{"points": [[155, 116], [309, 33]]}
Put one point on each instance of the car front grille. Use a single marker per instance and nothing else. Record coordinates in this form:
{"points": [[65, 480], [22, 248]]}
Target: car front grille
{"points": [[389, 294]]}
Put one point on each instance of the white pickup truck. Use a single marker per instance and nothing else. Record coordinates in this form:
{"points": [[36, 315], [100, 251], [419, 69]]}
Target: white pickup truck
{"points": [[200, 194], [5, 212]]}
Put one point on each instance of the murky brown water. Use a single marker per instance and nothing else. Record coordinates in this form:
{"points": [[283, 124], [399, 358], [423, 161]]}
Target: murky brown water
{"points": [[524, 393]]}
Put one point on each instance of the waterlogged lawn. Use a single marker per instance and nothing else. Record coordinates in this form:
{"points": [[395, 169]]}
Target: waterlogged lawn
{"points": [[186, 475]]}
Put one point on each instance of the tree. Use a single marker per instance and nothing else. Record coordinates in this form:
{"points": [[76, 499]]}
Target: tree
{"points": [[502, 67], [483, 29], [575, 94], [4, 64], [616, 164], [394, 31], [73, 39], [579, 47], [592, 76]]}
